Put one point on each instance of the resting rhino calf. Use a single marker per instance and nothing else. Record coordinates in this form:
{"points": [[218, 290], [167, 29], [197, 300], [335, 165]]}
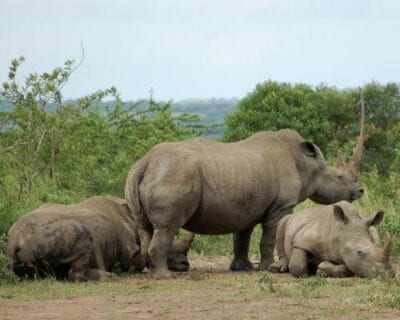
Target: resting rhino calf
{"points": [[334, 239], [82, 241]]}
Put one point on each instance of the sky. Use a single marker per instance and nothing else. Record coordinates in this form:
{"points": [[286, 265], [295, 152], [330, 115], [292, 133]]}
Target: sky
{"points": [[202, 49]]}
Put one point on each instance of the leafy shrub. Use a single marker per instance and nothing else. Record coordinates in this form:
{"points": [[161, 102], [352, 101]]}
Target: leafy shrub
{"points": [[59, 151]]}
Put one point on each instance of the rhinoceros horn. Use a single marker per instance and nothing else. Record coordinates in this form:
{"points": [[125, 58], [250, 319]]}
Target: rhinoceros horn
{"points": [[183, 245], [387, 249], [354, 165]]}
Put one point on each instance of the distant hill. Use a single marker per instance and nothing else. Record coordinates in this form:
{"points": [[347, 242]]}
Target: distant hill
{"points": [[212, 111], [5, 105]]}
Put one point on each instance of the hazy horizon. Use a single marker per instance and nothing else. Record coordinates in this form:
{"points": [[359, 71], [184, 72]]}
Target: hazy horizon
{"points": [[203, 49]]}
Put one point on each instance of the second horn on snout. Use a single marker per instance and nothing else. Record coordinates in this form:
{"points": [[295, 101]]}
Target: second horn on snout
{"points": [[354, 165]]}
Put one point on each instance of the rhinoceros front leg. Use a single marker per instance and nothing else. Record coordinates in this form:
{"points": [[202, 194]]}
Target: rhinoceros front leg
{"points": [[298, 263], [268, 237], [267, 245], [241, 242], [329, 269], [80, 267], [282, 265], [97, 275]]}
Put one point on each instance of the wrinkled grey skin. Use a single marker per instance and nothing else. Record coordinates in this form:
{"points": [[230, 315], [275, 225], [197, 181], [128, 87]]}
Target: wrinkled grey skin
{"points": [[216, 188], [81, 241], [333, 240]]}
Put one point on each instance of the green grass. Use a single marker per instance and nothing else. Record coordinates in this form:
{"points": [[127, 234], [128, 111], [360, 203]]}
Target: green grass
{"points": [[351, 295]]}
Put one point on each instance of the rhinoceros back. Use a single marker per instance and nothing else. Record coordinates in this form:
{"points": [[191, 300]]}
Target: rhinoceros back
{"points": [[225, 180]]}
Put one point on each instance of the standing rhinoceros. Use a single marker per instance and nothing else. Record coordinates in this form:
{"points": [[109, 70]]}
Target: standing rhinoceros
{"points": [[82, 241], [334, 239], [210, 187]]}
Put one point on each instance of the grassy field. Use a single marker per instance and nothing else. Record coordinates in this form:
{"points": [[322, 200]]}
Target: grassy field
{"points": [[209, 291]]}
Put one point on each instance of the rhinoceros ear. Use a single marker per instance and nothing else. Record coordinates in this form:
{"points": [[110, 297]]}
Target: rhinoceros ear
{"points": [[340, 215], [310, 149], [376, 219]]}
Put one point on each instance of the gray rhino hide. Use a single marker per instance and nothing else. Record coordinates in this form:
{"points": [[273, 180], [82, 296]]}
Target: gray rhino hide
{"points": [[80, 241], [335, 239], [216, 188]]}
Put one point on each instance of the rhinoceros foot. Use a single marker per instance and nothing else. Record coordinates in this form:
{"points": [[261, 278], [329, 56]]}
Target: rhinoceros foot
{"points": [[98, 275], [241, 265], [160, 274], [280, 266], [328, 269]]}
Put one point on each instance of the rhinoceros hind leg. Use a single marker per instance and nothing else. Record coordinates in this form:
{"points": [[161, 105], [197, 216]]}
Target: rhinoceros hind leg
{"points": [[280, 266], [145, 236], [298, 264], [158, 251]]}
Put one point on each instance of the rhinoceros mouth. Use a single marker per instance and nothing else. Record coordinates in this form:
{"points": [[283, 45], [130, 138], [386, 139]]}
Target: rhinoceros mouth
{"points": [[357, 194]]}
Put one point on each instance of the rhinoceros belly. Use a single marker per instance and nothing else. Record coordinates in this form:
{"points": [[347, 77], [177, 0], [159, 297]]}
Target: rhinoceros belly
{"points": [[234, 210], [235, 193]]}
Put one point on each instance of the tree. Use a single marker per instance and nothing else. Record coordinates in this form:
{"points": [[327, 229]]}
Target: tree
{"points": [[325, 115], [51, 148]]}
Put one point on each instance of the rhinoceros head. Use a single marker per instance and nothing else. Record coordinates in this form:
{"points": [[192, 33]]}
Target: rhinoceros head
{"points": [[340, 182], [360, 253], [177, 257], [334, 185]]}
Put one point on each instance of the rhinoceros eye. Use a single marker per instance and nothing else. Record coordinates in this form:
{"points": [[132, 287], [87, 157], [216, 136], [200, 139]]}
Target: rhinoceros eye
{"points": [[340, 176], [360, 252]]}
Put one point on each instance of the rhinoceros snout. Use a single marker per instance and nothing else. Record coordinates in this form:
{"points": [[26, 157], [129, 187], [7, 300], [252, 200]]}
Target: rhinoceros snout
{"points": [[388, 269], [380, 268], [356, 194], [185, 263], [179, 267]]}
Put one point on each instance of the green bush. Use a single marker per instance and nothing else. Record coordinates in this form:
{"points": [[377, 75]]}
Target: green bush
{"points": [[59, 151], [325, 115]]}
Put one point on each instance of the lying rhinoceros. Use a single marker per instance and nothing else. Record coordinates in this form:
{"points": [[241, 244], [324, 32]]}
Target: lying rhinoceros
{"points": [[334, 240], [82, 241]]}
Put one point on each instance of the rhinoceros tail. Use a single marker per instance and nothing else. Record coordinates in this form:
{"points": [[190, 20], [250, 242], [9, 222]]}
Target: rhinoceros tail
{"points": [[132, 194]]}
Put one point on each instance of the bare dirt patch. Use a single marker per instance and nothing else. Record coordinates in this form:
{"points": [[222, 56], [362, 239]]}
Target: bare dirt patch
{"points": [[208, 291]]}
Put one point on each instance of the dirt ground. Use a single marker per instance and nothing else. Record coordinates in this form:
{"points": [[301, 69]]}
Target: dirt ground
{"points": [[209, 291]]}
